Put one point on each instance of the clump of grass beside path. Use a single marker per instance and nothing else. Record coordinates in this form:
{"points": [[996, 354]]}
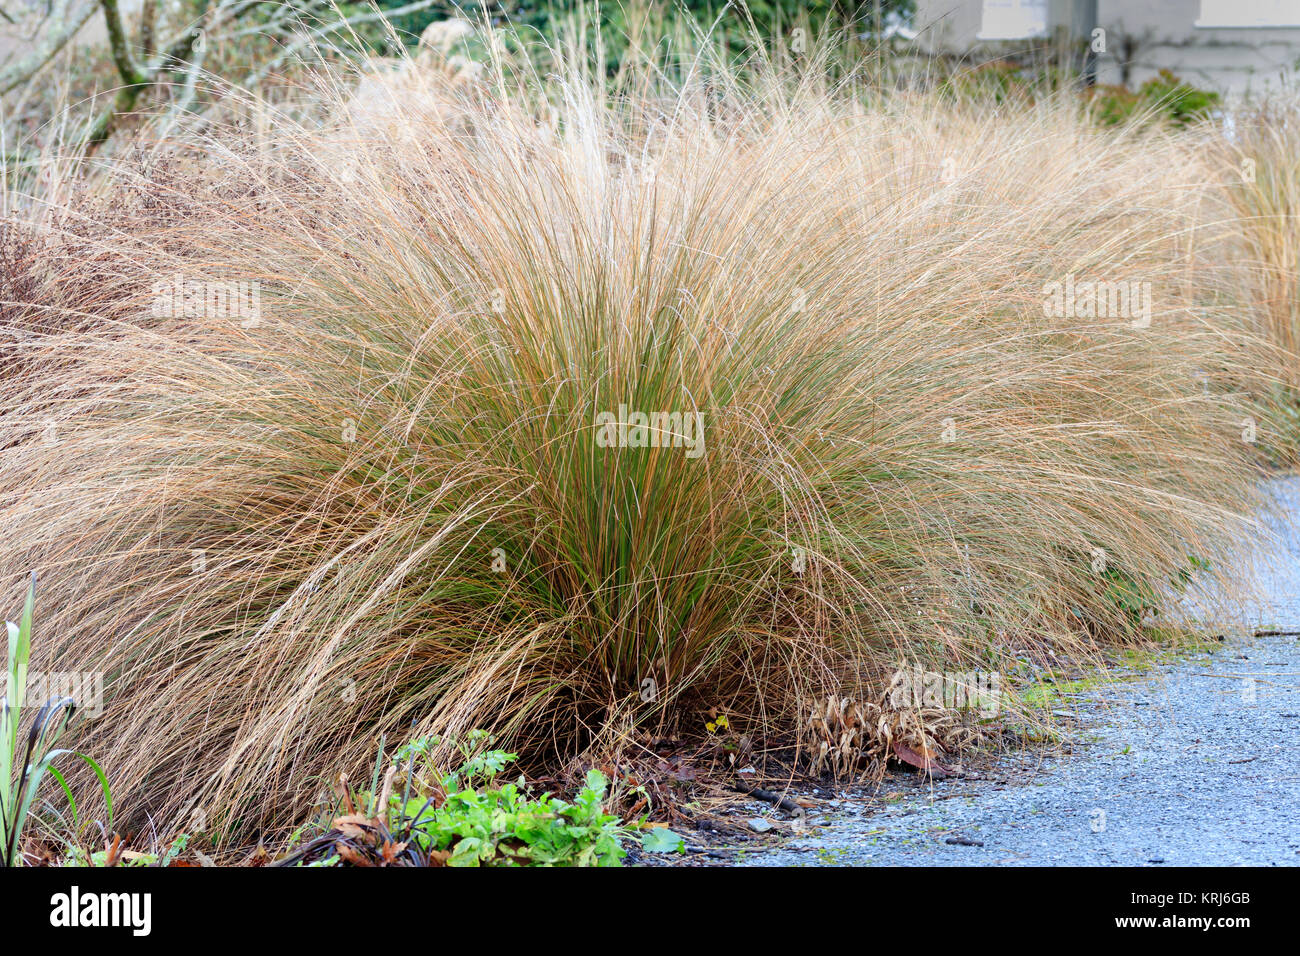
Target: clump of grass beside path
{"points": [[390, 505]]}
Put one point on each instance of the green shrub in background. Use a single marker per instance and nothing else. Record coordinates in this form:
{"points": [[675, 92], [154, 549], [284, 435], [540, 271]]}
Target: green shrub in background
{"points": [[1163, 97], [735, 22]]}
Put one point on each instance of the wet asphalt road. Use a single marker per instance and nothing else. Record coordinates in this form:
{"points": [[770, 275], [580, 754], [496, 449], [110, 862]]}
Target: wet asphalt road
{"points": [[1195, 762]]}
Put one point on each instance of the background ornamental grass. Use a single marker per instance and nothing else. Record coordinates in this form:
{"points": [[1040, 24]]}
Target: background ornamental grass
{"points": [[381, 508]]}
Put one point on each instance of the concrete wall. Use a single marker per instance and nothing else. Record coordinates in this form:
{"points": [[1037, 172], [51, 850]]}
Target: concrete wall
{"points": [[1144, 36]]}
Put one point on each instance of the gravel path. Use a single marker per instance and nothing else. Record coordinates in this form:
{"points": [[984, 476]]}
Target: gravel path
{"points": [[1194, 763]]}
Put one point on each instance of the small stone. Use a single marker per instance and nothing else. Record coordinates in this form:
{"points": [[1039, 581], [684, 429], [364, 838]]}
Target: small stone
{"points": [[758, 824]]}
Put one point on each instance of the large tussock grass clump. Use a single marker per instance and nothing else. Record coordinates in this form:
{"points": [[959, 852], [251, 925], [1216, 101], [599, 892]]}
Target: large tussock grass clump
{"points": [[386, 504]]}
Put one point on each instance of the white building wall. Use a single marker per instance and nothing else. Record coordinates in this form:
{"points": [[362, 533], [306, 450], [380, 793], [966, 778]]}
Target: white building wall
{"points": [[1144, 36]]}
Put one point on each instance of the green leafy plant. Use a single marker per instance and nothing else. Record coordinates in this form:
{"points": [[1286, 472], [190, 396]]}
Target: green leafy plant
{"points": [[998, 81], [114, 855], [662, 840], [1138, 599], [462, 818], [503, 826], [23, 771]]}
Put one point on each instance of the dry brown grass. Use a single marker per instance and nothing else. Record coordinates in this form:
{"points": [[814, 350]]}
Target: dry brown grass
{"points": [[1257, 160], [1260, 168], [904, 458]]}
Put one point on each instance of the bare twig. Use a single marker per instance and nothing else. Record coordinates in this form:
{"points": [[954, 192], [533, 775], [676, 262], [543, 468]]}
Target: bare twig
{"points": [[776, 799], [15, 76]]}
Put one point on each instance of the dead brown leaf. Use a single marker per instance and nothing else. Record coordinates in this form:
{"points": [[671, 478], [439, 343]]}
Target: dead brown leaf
{"points": [[921, 761]]}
